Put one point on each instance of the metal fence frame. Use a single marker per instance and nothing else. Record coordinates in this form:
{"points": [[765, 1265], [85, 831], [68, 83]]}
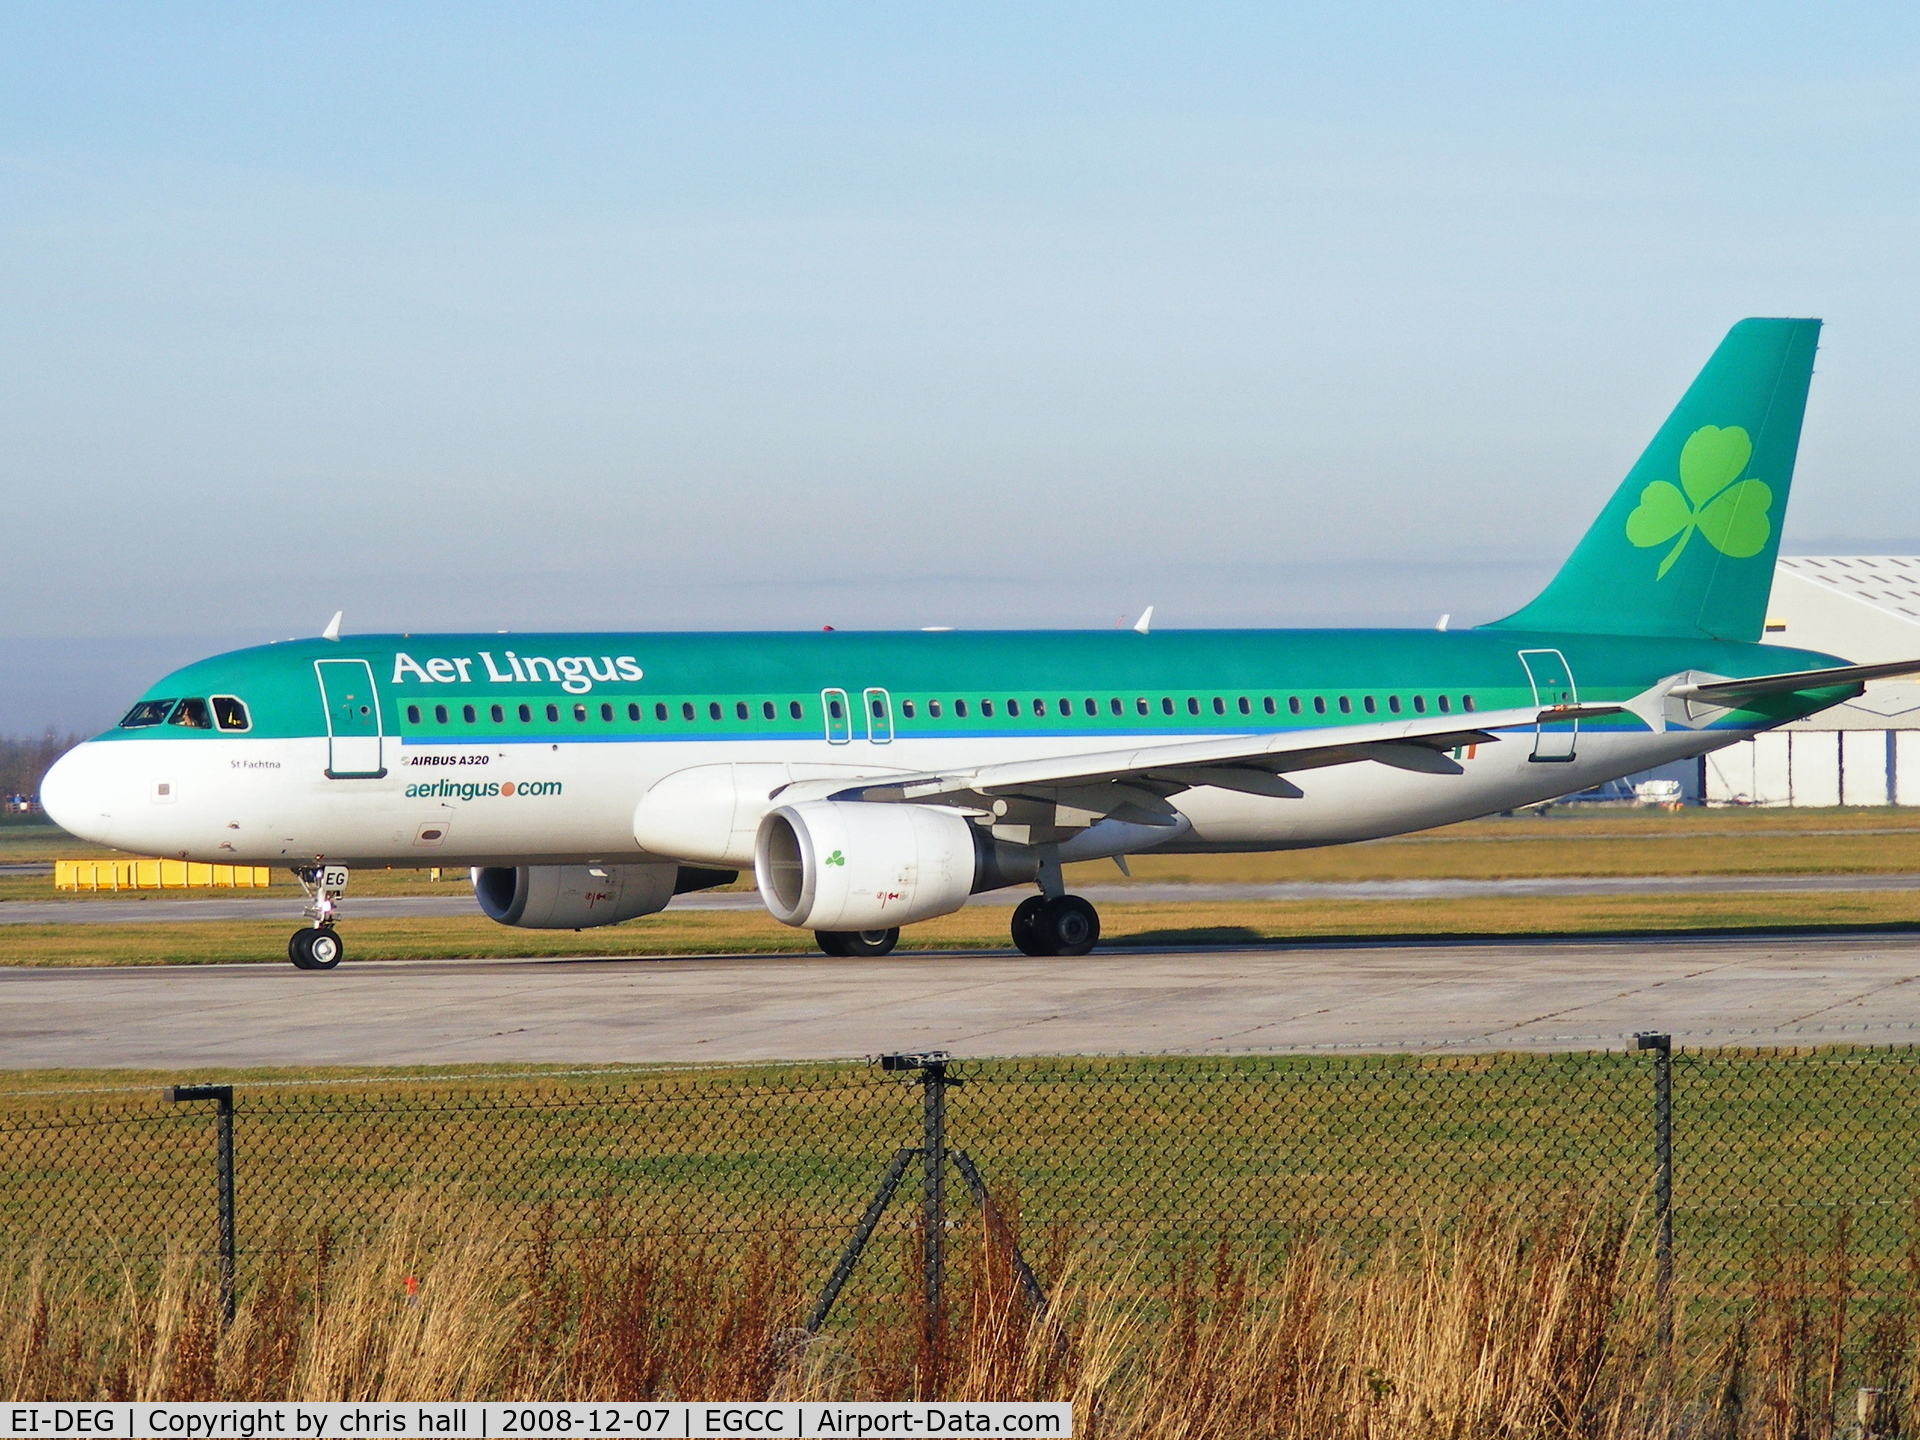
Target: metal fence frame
{"points": [[1640, 1093]]}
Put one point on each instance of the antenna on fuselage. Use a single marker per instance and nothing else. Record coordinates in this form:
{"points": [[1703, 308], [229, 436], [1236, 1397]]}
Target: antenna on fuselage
{"points": [[1145, 622], [1443, 621], [332, 632]]}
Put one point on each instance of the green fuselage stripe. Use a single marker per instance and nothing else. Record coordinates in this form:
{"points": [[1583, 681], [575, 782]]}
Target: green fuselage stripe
{"points": [[1023, 676]]}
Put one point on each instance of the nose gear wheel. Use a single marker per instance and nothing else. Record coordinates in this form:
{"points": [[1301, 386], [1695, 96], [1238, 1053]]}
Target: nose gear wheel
{"points": [[316, 948]]}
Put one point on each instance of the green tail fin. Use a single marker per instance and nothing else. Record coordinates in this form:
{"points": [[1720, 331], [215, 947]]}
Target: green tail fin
{"points": [[1686, 545]]}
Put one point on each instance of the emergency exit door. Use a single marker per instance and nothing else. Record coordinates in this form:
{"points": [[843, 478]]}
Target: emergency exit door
{"points": [[353, 719], [879, 707], [1552, 679], [834, 710]]}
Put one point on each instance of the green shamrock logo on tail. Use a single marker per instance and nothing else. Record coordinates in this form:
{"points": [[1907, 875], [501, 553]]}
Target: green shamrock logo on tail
{"points": [[1733, 518]]}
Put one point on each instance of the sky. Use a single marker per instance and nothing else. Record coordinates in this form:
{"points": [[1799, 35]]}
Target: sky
{"points": [[516, 317]]}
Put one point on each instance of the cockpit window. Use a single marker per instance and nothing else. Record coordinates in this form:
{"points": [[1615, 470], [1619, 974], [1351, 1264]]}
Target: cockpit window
{"points": [[147, 712], [229, 713], [192, 714]]}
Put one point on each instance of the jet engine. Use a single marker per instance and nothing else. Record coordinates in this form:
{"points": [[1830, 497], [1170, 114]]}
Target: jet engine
{"points": [[840, 865], [575, 897]]}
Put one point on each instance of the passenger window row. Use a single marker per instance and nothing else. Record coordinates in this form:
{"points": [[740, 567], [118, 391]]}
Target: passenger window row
{"points": [[580, 713], [716, 711], [1371, 705], [1066, 708]]}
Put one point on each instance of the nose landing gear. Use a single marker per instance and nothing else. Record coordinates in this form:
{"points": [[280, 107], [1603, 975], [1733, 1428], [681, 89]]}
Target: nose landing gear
{"points": [[318, 946]]}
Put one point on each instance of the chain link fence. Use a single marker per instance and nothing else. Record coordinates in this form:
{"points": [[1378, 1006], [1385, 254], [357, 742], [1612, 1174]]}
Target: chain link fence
{"points": [[1124, 1156]]}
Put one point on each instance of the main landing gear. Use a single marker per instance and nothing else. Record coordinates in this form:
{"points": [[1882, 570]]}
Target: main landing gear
{"points": [[1054, 922], [318, 946], [1056, 925], [858, 942]]}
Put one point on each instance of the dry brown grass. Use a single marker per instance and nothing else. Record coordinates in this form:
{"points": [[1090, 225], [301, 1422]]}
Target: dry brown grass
{"points": [[1503, 1325]]}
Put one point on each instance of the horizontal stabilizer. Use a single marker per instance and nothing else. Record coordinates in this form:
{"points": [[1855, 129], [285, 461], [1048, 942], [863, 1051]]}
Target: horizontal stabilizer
{"points": [[1793, 681]]}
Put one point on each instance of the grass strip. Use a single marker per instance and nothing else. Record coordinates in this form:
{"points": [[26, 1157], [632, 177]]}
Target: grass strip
{"points": [[1614, 842], [1209, 923]]}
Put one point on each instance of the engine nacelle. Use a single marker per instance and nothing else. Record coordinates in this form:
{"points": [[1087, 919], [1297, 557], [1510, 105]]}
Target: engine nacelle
{"points": [[841, 865], [572, 897]]}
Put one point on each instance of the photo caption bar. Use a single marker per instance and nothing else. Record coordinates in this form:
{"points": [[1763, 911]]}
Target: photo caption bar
{"points": [[499, 1420]]}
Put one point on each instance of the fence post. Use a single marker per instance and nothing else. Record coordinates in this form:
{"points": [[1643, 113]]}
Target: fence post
{"points": [[934, 1155], [222, 1096], [1662, 1047], [933, 1162]]}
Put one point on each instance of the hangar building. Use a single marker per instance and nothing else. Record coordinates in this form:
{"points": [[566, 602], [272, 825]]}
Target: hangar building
{"points": [[1865, 609]]}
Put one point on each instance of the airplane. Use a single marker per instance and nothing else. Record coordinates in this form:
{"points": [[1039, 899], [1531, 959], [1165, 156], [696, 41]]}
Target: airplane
{"points": [[874, 780]]}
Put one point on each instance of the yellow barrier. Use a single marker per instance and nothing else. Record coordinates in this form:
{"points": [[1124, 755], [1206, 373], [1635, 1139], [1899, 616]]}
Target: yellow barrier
{"points": [[157, 875]]}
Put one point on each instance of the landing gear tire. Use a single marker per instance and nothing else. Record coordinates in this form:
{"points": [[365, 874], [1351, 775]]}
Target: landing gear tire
{"points": [[1065, 925], [316, 948], [1026, 926], [1071, 925], [858, 942]]}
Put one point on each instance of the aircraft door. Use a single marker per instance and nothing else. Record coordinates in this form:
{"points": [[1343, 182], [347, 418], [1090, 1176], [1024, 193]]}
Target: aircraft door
{"points": [[833, 705], [1552, 680], [879, 716], [353, 719]]}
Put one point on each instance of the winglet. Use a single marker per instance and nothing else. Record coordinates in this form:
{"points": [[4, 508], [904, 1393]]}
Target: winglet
{"points": [[332, 632], [1145, 622]]}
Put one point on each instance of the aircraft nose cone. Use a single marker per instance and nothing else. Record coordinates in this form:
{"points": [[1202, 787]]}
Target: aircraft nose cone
{"points": [[74, 795]]}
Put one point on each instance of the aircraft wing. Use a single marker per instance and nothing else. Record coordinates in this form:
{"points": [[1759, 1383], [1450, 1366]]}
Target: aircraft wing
{"points": [[1792, 681], [1134, 783]]}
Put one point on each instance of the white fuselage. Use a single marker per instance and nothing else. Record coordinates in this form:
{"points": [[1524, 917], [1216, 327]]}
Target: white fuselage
{"points": [[271, 802]]}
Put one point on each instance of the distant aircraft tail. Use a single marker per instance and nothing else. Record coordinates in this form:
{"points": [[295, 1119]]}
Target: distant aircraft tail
{"points": [[1686, 545]]}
